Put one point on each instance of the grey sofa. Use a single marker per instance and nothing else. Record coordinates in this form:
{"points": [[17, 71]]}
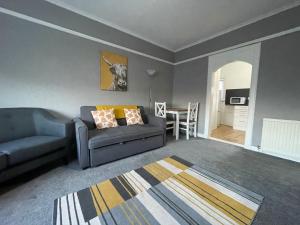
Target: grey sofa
{"points": [[29, 138], [96, 147]]}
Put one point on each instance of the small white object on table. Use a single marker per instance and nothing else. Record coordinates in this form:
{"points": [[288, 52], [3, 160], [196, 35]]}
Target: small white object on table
{"points": [[177, 112]]}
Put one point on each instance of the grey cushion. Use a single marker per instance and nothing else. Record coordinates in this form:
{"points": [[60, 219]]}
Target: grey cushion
{"points": [[3, 161], [103, 137], [20, 150]]}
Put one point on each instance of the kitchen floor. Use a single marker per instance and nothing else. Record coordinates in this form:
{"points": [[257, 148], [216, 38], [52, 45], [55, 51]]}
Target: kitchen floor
{"points": [[227, 133]]}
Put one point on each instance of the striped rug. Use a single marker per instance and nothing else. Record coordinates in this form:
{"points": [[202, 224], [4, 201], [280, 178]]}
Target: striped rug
{"points": [[170, 191]]}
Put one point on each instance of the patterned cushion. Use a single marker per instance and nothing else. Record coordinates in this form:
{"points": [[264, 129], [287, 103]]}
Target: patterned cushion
{"points": [[133, 116], [104, 118]]}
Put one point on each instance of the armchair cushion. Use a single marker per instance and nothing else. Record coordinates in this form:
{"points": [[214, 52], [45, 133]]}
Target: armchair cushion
{"points": [[20, 150], [100, 138]]}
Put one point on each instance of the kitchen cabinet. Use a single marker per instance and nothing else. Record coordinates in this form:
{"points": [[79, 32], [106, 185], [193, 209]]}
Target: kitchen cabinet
{"points": [[240, 117]]}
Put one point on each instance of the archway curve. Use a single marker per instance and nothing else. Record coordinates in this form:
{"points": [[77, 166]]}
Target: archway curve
{"points": [[248, 54], [231, 62]]}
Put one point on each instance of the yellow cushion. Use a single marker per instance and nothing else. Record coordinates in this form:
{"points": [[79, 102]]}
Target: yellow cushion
{"points": [[119, 109]]}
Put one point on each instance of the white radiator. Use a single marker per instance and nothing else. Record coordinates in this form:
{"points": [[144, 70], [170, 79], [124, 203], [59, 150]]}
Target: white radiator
{"points": [[281, 138]]}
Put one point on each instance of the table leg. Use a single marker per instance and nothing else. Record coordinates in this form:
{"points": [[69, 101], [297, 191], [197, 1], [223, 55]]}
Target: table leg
{"points": [[177, 126]]}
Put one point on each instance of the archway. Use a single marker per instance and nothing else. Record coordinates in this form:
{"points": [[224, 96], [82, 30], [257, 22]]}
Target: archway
{"points": [[229, 102], [250, 56]]}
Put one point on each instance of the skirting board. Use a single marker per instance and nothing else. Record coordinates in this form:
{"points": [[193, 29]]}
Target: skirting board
{"points": [[201, 135], [254, 149]]}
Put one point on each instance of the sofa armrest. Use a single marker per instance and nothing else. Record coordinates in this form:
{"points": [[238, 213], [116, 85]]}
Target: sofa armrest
{"points": [[156, 121], [47, 124], [82, 143]]}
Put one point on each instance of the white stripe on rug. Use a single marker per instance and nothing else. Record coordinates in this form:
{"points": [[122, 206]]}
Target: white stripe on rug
{"points": [[140, 180], [95, 221], [136, 187], [79, 211], [64, 211], [157, 211], [169, 166], [58, 213], [72, 209], [207, 211]]}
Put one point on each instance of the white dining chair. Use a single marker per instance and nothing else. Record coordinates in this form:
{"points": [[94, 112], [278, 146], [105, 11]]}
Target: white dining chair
{"points": [[190, 123], [160, 111]]}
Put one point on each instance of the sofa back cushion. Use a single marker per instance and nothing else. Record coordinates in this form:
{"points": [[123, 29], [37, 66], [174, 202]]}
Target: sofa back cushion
{"points": [[133, 116], [118, 109], [104, 118], [16, 123], [87, 118]]}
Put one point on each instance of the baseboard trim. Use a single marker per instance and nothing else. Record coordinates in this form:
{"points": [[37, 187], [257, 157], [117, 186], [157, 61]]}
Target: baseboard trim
{"points": [[252, 148], [201, 135], [269, 152]]}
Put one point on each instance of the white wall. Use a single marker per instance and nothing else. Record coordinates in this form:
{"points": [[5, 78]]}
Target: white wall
{"points": [[236, 75]]}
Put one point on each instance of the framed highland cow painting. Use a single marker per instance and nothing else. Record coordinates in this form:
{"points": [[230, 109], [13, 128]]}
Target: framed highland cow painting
{"points": [[113, 72]]}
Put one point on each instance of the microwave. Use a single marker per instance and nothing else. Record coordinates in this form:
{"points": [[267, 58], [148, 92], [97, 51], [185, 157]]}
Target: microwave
{"points": [[238, 100]]}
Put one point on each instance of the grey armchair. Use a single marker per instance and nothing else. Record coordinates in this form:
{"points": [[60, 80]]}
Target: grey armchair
{"points": [[29, 138], [96, 147]]}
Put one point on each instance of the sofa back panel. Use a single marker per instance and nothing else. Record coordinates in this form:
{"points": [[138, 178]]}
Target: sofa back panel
{"points": [[87, 118], [16, 123], [143, 114]]}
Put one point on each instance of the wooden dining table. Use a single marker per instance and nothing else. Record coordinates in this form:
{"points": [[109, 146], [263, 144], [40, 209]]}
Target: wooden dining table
{"points": [[177, 112]]}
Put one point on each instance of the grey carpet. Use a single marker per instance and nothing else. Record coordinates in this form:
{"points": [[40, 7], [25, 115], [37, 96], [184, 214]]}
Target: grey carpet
{"points": [[276, 179]]}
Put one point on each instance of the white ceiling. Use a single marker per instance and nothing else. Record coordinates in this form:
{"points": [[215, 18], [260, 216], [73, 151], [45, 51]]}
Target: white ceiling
{"points": [[175, 24]]}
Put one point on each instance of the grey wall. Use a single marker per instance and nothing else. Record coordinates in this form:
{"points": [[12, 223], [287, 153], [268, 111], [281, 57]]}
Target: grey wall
{"points": [[51, 13], [278, 90], [283, 21], [190, 81], [42, 67]]}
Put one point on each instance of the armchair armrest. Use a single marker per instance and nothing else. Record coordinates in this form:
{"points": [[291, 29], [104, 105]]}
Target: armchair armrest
{"points": [[47, 124], [82, 143]]}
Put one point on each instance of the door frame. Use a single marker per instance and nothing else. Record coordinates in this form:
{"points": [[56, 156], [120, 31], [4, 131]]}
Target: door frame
{"points": [[249, 54]]}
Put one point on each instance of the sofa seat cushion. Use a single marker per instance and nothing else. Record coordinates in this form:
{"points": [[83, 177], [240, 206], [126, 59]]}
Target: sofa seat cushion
{"points": [[115, 135], [3, 161], [24, 149]]}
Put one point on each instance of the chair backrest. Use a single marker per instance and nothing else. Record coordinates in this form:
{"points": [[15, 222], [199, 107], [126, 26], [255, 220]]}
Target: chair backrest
{"points": [[160, 109], [193, 111], [18, 123]]}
